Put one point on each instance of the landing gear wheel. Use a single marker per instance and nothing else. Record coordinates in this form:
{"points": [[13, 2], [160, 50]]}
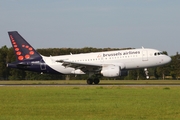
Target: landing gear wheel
{"points": [[96, 81], [89, 81]]}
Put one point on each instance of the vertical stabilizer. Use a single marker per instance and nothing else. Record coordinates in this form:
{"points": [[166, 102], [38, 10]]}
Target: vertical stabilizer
{"points": [[23, 50]]}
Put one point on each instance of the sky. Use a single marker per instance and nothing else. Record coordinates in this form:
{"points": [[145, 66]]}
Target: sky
{"points": [[93, 23]]}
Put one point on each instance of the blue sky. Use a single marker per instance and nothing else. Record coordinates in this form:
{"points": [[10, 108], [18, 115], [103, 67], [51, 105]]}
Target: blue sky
{"points": [[93, 23]]}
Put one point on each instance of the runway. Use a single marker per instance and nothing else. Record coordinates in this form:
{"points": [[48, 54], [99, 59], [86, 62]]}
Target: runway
{"points": [[84, 85]]}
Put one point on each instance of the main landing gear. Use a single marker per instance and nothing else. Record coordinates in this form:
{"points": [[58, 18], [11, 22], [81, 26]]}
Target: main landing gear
{"points": [[93, 80]]}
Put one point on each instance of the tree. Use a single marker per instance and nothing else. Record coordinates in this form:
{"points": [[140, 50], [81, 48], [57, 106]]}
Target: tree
{"points": [[3, 62], [7, 56], [175, 66]]}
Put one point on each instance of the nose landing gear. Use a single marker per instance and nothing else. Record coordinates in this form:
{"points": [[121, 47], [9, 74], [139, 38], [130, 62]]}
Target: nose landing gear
{"points": [[147, 73]]}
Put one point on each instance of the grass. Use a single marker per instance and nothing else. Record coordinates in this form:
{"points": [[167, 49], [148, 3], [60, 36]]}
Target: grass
{"points": [[89, 103]]}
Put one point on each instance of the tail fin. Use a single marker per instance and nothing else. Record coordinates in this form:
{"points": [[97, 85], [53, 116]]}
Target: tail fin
{"points": [[23, 50]]}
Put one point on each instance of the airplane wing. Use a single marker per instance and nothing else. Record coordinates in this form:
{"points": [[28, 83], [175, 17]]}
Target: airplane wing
{"points": [[85, 67]]}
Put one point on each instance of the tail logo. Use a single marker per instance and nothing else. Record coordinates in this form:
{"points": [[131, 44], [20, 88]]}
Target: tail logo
{"points": [[18, 51]]}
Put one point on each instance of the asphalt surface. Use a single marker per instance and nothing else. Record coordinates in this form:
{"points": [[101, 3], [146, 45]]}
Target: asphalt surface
{"points": [[79, 85]]}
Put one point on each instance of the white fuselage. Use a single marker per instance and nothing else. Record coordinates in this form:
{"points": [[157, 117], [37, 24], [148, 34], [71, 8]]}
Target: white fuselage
{"points": [[126, 59]]}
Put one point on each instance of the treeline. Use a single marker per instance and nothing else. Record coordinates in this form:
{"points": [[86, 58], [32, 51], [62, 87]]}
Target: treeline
{"points": [[169, 71]]}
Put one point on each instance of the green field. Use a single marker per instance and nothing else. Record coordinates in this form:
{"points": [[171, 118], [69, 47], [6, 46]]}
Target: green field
{"points": [[89, 102]]}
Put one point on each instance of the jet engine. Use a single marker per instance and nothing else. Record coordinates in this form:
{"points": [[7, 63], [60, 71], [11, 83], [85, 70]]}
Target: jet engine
{"points": [[113, 71]]}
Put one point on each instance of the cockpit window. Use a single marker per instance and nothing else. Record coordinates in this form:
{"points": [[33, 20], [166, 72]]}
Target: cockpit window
{"points": [[158, 53], [161, 53]]}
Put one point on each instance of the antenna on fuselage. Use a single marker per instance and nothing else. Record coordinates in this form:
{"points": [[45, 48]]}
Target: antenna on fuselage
{"points": [[142, 47]]}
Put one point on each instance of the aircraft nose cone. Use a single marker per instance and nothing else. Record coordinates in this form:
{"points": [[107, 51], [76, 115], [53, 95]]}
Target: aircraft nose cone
{"points": [[168, 59]]}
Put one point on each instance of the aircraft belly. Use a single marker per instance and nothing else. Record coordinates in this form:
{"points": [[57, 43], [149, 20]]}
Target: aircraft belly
{"points": [[135, 63], [61, 69], [138, 63]]}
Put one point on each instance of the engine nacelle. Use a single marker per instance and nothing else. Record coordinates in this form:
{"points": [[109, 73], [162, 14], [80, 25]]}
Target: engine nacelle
{"points": [[113, 71]]}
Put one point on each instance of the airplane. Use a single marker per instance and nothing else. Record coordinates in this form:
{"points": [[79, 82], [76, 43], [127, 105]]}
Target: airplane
{"points": [[108, 64]]}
